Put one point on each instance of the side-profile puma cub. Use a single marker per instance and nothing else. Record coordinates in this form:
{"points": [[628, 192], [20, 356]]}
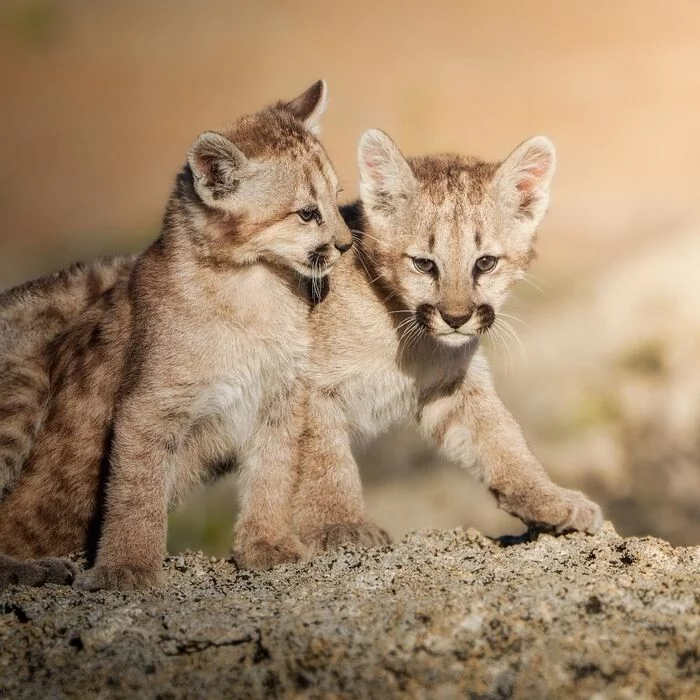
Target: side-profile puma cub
{"points": [[439, 242], [188, 365]]}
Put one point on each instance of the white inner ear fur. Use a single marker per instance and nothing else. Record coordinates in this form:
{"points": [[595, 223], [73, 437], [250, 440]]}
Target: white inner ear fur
{"points": [[384, 172], [524, 178]]}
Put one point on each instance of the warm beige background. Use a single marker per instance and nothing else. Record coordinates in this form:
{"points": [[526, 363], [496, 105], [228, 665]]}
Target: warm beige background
{"points": [[100, 100]]}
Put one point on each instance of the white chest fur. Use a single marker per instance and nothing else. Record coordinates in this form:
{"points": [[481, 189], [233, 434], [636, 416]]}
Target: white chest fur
{"points": [[377, 399], [251, 353]]}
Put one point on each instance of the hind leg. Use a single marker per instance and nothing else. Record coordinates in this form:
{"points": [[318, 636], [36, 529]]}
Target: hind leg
{"points": [[35, 572]]}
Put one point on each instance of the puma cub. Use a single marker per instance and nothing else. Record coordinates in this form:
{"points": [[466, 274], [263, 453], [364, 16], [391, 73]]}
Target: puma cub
{"points": [[188, 365], [439, 242], [421, 292]]}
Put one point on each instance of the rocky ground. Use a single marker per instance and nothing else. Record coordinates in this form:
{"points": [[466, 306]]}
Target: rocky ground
{"points": [[439, 615]]}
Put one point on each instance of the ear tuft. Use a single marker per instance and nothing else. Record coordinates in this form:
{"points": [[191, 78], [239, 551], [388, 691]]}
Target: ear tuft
{"points": [[386, 178], [217, 165], [526, 175], [310, 105]]}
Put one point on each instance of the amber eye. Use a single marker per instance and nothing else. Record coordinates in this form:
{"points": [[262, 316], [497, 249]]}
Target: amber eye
{"points": [[486, 263], [424, 265], [308, 214]]}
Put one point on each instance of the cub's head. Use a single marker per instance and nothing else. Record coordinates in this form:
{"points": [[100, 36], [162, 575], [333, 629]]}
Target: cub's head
{"points": [[264, 190], [448, 234]]}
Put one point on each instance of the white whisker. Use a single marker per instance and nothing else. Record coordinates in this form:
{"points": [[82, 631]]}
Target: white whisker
{"points": [[405, 322], [500, 344], [391, 296], [364, 233], [409, 337], [513, 318], [362, 257], [536, 284], [507, 328]]}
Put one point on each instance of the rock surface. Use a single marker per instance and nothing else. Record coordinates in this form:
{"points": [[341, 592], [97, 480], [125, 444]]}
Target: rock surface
{"points": [[438, 615]]}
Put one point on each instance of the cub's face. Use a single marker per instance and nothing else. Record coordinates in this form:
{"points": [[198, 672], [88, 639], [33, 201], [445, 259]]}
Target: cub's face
{"points": [[449, 235], [270, 191]]}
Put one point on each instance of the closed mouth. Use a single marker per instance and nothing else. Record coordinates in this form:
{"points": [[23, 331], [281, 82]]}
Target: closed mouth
{"points": [[455, 338], [466, 334], [314, 271]]}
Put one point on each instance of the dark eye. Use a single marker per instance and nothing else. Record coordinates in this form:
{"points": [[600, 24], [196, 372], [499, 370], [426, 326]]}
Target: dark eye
{"points": [[486, 263], [424, 265], [308, 214]]}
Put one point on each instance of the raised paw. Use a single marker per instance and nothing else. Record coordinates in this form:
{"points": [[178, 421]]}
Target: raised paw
{"points": [[363, 534], [119, 577], [36, 572], [263, 554]]}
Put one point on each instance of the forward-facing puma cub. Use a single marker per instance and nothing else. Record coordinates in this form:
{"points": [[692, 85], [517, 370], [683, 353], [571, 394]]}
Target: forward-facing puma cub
{"points": [[189, 364], [439, 242]]}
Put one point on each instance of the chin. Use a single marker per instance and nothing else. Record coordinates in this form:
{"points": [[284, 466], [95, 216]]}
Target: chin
{"points": [[454, 340], [312, 273]]}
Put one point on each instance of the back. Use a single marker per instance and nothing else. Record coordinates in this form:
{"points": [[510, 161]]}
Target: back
{"points": [[32, 316]]}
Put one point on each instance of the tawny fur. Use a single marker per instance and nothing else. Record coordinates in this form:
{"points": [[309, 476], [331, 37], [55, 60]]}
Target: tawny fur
{"points": [[395, 344], [382, 352], [188, 366], [32, 316]]}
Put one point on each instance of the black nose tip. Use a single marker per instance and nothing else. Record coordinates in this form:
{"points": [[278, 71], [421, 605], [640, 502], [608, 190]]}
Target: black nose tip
{"points": [[343, 247], [455, 321]]}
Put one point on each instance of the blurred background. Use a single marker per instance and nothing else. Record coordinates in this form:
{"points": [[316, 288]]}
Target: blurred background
{"points": [[101, 100]]}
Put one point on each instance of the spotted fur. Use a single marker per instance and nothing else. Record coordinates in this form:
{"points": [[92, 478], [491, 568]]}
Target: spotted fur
{"points": [[395, 343], [32, 316], [382, 353], [188, 361]]}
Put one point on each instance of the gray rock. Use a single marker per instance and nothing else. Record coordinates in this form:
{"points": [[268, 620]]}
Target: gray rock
{"points": [[439, 615]]}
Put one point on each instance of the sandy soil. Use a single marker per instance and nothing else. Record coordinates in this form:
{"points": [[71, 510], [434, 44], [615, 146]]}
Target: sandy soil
{"points": [[101, 101], [439, 615]]}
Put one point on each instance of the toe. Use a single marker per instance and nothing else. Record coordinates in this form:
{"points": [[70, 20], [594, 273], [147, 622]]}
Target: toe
{"points": [[59, 571]]}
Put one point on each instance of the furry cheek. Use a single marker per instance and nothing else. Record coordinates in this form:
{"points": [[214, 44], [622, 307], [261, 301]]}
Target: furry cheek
{"points": [[415, 290]]}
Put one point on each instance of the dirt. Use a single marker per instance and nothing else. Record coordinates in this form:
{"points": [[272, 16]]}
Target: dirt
{"points": [[441, 614]]}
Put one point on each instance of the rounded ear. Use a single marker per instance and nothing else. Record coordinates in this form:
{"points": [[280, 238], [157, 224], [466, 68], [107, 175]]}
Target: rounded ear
{"points": [[386, 178], [310, 105], [217, 166], [525, 176]]}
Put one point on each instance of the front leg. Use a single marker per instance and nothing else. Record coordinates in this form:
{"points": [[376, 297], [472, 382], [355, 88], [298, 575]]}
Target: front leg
{"points": [[264, 535], [132, 543], [473, 422], [328, 506]]}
